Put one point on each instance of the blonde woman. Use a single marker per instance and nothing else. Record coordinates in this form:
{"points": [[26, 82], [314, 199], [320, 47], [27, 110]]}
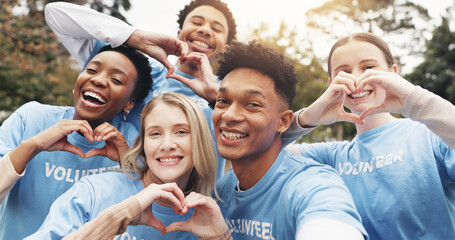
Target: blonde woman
{"points": [[173, 156]]}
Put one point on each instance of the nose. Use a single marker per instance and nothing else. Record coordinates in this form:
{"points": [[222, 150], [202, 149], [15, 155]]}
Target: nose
{"points": [[99, 80], [205, 30], [232, 114], [168, 143]]}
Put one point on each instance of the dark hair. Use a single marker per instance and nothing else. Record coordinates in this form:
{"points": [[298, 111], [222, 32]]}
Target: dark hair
{"points": [[263, 59], [141, 63], [221, 6], [364, 37]]}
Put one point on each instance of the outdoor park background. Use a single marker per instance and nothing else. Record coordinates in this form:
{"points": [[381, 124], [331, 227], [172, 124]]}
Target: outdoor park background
{"points": [[34, 66]]}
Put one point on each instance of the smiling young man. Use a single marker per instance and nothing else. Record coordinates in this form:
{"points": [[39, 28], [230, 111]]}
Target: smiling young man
{"points": [[270, 193], [205, 29]]}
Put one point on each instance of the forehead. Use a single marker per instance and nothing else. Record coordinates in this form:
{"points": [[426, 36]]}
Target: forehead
{"points": [[165, 115], [113, 59], [249, 82], [356, 51], [209, 13]]}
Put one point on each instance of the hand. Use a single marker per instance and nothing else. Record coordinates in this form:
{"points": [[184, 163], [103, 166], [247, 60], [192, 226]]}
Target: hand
{"points": [[207, 220], [170, 192], [205, 84], [328, 108], [114, 142], [158, 46], [396, 89], [55, 137]]}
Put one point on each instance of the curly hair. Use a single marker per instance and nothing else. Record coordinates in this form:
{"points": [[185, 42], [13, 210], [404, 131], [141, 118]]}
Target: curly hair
{"points": [[143, 69], [265, 60], [221, 6]]}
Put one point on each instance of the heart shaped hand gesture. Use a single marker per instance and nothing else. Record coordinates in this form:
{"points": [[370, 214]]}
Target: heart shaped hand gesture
{"points": [[396, 89], [115, 143]]}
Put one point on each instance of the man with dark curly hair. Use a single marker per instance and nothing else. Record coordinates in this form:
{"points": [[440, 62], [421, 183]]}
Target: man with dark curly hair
{"points": [[271, 193], [206, 27]]}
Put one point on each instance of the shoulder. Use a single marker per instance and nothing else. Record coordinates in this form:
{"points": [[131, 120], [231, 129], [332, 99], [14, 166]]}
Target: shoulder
{"points": [[227, 181], [48, 114]]}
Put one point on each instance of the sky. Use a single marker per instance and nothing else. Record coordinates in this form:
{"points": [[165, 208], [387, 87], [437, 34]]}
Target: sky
{"points": [[161, 16]]}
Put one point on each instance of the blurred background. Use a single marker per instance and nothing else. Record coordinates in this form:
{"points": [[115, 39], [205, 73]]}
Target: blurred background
{"points": [[34, 65]]}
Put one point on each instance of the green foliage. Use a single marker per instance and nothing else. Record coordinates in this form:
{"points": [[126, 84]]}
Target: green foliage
{"points": [[437, 72], [390, 19]]}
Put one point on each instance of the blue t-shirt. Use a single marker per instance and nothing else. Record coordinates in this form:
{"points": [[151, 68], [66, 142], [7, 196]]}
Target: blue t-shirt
{"points": [[87, 198], [162, 85], [294, 190], [48, 174], [401, 176]]}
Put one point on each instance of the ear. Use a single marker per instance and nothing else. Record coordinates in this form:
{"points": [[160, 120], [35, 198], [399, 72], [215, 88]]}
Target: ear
{"points": [[395, 68], [129, 105], [285, 120]]}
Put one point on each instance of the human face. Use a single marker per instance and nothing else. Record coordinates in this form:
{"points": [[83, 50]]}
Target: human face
{"points": [[104, 87], [247, 115], [167, 144], [355, 58], [205, 30]]}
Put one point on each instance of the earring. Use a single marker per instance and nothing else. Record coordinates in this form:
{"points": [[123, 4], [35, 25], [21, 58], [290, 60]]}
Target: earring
{"points": [[73, 91], [281, 131], [126, 112]]}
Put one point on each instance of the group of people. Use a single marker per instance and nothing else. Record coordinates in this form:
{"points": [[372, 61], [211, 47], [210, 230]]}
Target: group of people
{"points": [[141, 154]]}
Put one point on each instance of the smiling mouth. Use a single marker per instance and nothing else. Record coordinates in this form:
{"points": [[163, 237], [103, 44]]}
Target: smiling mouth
{"points": [[94, 98], [234, 136], [169, 160], [360, 94]]}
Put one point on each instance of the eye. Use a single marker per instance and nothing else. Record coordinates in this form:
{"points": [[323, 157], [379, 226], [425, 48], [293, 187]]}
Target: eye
{"points": [[253, 105], [182, 132], [368, 67], [221, 101], [196, 23], [154, 134], [117, 81], [91, 70], [217, 29]]}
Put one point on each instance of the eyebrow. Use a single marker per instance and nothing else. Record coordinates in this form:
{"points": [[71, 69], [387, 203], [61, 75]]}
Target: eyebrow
{"points": [[248, 92], [117, 70], [368, 60], [202, 18], [175, 125]]}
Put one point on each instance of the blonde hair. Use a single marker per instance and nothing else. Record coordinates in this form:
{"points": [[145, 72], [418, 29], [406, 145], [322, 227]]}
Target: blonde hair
{"points": [[203, 175]]}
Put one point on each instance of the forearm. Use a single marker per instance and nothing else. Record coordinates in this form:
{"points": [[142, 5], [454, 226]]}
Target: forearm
{"points": [[225, 236], [295, 130], [435, 112], [78, 28], [22, 154], [8, 176], [110, 222]]}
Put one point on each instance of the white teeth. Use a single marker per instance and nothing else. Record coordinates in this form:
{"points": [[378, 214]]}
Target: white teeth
{"points": [[94, 95], [359, 95], [233, 136], [201, 44], [169, 159]]}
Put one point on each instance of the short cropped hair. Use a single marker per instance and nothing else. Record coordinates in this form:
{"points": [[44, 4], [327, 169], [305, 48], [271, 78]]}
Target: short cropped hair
{"points": [[220, 6], [265, 60], [140, 61], [203, 176]]}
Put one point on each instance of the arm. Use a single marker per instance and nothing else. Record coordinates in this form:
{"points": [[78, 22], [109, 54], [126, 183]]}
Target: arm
{"points": [[317, 230], [135, 210], [435, 112], [8, 176], [73, 25]]}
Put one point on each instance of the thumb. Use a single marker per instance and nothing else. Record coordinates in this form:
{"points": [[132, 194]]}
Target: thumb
{"points": [[96, 152], [73, 149], [372, 110], [351, 117], [169, 66], [178, 226]]}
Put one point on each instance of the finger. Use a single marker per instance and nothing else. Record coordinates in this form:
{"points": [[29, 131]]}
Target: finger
{"points": [[83, 127], [178, 226], [182, 79], [68, 147], [96, 152], [170, 68], [158, 225], [372, 110], [350, 83], [351, 117]]}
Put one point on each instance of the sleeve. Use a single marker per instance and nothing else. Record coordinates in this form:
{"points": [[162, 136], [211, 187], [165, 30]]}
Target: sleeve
{"points": [[110, 222], [68, 212], [322, 194], [320, 152], [78, 28], [8, 176], [295, 131], [435, 112]]}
